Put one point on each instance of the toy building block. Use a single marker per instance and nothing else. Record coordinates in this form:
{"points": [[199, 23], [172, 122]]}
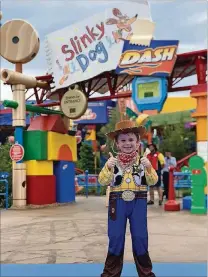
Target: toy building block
{"points": [[39, 168], [35, 145], [199, 181], [52, 123], [41, 190], [65, 181], [61, 147]]}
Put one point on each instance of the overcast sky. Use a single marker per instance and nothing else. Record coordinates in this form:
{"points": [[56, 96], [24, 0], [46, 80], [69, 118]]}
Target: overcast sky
{"points": [[184, 20]]}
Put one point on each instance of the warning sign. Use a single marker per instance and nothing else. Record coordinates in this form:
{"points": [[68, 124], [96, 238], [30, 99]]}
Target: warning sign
{"points": [[16, 152]]}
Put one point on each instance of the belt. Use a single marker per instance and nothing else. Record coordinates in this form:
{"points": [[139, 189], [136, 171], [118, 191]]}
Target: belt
{"points": [[128, 195]]}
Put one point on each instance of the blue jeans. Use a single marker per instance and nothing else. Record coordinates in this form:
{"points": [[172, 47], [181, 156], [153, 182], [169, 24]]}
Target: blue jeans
{"points": [[136, 212], [118, 213]]}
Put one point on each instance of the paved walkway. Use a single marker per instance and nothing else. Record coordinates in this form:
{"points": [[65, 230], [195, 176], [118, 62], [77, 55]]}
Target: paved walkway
{"points": [[77, 233]]}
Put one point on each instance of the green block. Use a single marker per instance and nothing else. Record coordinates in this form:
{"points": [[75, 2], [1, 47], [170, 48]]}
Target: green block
{"points": [[35, 145], [198, 210]]}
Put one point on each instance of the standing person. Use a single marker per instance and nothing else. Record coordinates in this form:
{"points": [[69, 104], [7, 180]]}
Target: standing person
{"points": [[169, 161], [128, 175], [158, 161]]}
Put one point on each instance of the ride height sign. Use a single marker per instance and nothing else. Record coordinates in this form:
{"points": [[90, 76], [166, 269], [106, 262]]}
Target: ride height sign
{"points": [[88, 48]]}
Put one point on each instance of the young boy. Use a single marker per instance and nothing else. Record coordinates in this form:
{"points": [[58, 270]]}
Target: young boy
{"points": [[128, 176]]}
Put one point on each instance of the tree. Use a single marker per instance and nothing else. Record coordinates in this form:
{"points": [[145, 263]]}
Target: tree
{"points": [[5, 166], [86, 161], [178, 140], [115, 117]]}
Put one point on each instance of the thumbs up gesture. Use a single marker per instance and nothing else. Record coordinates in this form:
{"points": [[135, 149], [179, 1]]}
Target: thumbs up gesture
{"points": [[111, 161]]}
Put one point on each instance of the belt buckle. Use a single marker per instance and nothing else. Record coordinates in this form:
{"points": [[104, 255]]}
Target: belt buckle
{"points": [[128, 195]]}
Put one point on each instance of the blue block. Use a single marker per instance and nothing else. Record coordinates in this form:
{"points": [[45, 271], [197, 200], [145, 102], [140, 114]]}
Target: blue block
{"points": [[187, 203], [65, 185]]}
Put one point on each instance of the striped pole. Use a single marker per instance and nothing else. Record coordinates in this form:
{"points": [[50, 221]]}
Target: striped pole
{"points": [[200, 93]]}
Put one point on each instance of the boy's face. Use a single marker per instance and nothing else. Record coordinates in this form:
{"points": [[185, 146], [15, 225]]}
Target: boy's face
{"points": [[127, 143]]}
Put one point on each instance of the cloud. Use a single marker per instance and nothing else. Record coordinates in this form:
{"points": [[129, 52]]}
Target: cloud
{"points": [[197, 18], [189, 47]]}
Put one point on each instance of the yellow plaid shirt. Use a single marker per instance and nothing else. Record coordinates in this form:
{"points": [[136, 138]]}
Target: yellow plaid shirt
{"points": [[106, 177]]}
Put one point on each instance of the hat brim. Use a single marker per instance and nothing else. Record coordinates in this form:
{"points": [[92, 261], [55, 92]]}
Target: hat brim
{"points": [[141, 130]]}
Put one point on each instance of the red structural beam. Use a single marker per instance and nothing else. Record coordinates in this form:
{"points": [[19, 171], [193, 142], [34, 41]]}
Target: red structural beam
{"points": [[53, 104], [171, 89], [109, 97]]}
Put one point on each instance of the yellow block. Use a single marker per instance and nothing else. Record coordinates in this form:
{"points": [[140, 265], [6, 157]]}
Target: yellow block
{"points": [[179, 104], [39, 167], [62, 147], [206, 167], [201, 129], [91, 135]]}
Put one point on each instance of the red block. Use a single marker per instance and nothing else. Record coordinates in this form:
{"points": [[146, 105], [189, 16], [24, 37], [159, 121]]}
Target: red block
{"points": [[53, 123], [41, 190]]}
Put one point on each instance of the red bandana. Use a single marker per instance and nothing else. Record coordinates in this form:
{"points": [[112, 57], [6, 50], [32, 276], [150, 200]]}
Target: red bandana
{"points": [[126, 158]]}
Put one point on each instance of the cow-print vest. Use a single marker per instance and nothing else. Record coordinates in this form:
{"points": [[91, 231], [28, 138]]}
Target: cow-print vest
{"points": [[135, 172]]}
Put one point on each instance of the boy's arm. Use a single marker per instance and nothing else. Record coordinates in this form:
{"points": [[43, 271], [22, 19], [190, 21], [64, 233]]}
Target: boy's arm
{"points": [[151, 176], [106, 176]]}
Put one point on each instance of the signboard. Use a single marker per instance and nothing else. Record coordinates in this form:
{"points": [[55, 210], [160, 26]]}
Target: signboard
{"points": [[74, 103], [96, 113], [149, 93], [88, 48], [158, 59], [16, 152]]}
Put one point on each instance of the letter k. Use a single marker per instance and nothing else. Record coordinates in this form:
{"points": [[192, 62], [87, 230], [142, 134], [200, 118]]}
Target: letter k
{"points": [[91, 33]]}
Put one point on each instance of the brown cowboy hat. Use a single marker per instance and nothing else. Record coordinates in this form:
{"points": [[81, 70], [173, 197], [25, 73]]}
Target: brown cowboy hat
{"points": [[126, 126]]}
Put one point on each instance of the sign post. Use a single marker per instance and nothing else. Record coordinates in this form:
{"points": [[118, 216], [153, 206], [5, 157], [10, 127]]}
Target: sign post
{"points": [[16, 152]]}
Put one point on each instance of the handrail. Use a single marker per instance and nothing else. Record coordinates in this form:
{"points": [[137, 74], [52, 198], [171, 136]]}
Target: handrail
{"points": [[78, 170], [6, 194], [85, 182], [186, 158]]}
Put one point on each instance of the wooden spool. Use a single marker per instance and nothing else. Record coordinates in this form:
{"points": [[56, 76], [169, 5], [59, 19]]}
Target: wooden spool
{"points": [[19, 41]]}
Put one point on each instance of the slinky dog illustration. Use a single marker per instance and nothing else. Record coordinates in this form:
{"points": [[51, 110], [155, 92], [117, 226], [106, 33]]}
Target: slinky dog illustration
{"points": [[123, 23]]}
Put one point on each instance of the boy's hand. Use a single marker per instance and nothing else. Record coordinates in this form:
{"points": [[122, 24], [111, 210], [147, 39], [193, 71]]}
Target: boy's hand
{"points": [[145, 162], [111, 161]]}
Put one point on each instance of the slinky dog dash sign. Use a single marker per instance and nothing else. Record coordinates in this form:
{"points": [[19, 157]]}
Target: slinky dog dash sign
{"points": [[86, 49], [156, 60]]}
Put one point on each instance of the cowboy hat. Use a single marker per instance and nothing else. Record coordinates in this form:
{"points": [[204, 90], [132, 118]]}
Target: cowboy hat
{"points": [[126, 126]]}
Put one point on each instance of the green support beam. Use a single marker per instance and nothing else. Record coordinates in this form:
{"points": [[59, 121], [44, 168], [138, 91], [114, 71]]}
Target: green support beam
{"points": [[30, 108]]}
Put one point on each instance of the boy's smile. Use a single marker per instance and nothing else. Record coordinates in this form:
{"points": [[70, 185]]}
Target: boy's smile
{"points": [[127, 143]]}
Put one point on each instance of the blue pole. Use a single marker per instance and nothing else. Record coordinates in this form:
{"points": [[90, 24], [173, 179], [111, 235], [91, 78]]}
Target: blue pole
{"points": [[7, 194], [86, 182], [19, 137], [98, 187]]}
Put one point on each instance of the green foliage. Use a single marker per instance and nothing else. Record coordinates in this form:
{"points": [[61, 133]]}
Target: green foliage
{"points": [[177, 140], [5, 166], [115, 117], [86, 161]]}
